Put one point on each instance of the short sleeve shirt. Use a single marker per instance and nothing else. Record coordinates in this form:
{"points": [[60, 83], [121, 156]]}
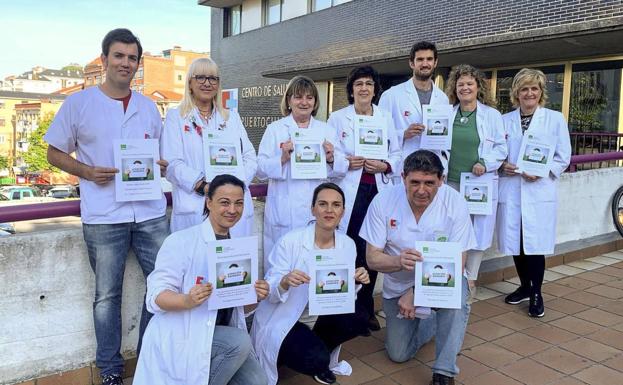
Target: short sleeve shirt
{"points": [[390, 225], [87, 123]]}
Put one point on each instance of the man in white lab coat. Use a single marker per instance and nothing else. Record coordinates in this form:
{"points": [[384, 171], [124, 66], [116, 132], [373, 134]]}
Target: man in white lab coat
{"points": [[405, 100], [422, 209]]}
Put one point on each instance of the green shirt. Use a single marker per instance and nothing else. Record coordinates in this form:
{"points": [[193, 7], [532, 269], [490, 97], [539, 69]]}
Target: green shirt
{"points": [[465, 142]]}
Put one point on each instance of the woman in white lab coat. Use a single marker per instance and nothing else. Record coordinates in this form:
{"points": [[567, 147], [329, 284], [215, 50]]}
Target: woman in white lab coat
{"points": [[528, 204], [187, 130], [478, 147], [283, 332], [185, 343], [365, 177], [288, 199]]}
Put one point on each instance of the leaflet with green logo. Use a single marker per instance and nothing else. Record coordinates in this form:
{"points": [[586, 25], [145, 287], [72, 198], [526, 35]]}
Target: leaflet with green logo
{"points": [[439, 277], [437, 133], [332, 284], [138, 178], [370, 136]]}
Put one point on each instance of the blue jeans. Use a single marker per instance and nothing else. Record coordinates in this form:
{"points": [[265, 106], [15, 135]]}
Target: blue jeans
{"points": [[108, 246], [233, 361], [405, 337]]}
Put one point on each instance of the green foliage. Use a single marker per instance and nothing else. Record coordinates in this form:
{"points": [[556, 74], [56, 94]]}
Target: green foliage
{"points": [[588, 101], [4, 162], [72, 67], [37, 155]]}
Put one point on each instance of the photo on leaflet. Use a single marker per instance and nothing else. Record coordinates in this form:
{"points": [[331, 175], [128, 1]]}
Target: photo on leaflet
{"points": [[476, 193], [223, 156], [438, 274], [233, 273], [370, 136], [330, 281], [437, 127], [137, 169], [307, 153]]}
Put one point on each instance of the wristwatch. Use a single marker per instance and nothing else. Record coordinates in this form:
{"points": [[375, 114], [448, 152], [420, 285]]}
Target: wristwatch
{"points": [[201, 188]]}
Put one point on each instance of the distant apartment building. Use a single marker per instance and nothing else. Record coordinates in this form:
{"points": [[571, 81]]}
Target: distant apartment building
{"points": [[43, 80]]}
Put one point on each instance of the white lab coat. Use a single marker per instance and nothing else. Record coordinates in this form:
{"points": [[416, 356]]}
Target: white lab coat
{"points": [[177, 345], [343, 121], [276, 315], [531, 205], [288, 201], [492, 150], [403, 103], [182, 147]]}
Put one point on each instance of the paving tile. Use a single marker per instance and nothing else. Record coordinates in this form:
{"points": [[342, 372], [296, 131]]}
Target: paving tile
{"points": [[382, 363], [557, 290], [483, 293], [416, 375], [584, 265], [514, 280], [550, 276], [73, 377], [488, 330], [600, 375], [603, 260], [590, 349], [299, 379], [531, 372], [609, 337], [576, 325], [491, 378], [473, 318], [361, 373], [600, 317], [550, 334], [618, 327], [381, 381], [615, 306], [486, 310], [615, 254], [469, 368], [522, 344], [596, 276], [615, 270], [576, 283], [615, 363], [551, 315], [363, 345], [617, 283], [426, 352], [586, 298], [565, 306], [566, 270], [491, 355], [470, 340], [568, 381], [562, 360], [380, 334], [502, 287], [515, 321]]}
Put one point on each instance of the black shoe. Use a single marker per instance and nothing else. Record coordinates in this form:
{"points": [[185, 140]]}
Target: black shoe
{"points": [[536, 308], [112, 379], [326, 377], [518, 296], [440, 379], [373, 323]]}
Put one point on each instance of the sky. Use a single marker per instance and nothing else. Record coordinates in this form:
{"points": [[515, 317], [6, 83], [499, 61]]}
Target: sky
{"points": [[54, 33]]}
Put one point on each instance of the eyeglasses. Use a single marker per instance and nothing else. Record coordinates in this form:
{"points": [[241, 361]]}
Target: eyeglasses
{"points": [[368, 83], [213, 80]]}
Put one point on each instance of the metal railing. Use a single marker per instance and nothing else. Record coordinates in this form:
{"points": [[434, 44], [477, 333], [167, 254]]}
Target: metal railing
{"points": [[593, 143]]}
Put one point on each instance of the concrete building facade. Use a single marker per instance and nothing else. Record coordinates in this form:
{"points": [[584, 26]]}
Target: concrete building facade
{"points": [[260, 44], [43, 80]]}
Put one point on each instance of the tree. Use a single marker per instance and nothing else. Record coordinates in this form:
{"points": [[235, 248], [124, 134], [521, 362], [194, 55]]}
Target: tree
{"points": [[37, 155], [4, 162], [72, 67]]}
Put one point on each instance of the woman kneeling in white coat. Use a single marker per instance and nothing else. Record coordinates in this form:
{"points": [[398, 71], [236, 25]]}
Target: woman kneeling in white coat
{"points": [[185, 343], [528, 203], [283, 332]]}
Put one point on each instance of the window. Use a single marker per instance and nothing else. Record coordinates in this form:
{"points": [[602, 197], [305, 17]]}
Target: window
{"points": [[317, 5], [15, 195], [139, 73], [554, 75], [1, 105], [26, 194], [2, 122], [234, 22], [179, 78], [595, 96], [272, 11], [2, 139]]}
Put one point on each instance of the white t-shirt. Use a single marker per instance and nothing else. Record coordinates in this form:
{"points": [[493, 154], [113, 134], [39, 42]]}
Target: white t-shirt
{"points": [[390, 225], [87, 123]]}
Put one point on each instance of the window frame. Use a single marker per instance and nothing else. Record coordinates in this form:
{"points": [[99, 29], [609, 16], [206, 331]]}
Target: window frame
{"points": [[265, 13]]}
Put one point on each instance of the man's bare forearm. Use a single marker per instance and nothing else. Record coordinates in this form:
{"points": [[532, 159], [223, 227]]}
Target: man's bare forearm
{"points": [[67, 163], [379, 261]]}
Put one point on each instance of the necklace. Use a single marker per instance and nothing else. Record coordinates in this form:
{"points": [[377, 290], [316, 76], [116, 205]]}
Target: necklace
{"points": [[205, 114], [465, 118]]}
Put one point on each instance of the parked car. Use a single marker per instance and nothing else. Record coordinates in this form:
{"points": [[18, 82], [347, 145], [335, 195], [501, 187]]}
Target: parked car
{"points": [[61, 192], [6, 229], [18, 193]]}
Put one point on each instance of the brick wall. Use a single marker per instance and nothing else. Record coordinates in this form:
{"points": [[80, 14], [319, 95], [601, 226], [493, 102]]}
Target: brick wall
{"points": [[364, 28]]}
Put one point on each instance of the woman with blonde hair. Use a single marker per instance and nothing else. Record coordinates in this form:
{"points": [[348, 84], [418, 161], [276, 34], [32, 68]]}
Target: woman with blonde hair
{"points": [[478, 147], [187, 134], [288, 199], [528, 203]]}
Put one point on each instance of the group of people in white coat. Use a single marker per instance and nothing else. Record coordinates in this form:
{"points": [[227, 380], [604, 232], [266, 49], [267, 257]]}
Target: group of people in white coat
{"points": [[369, 208]]}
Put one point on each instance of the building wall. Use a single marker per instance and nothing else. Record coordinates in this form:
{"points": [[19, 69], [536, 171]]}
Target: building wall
{"points": [[251, 15], [181, 62], [158, 74]]}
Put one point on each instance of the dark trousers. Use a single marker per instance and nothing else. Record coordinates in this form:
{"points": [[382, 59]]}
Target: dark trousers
{"points": [[530, 269], [308, 351], [365, 193]]}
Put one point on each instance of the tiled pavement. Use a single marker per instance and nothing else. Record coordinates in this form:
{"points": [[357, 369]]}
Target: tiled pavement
{"points": [[579, 341]]}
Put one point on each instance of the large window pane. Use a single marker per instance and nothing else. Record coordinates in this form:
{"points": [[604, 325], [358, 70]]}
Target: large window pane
{"points": [[595, 96], [273, 11], [321, 4], [235, 13], [554, 75]]}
